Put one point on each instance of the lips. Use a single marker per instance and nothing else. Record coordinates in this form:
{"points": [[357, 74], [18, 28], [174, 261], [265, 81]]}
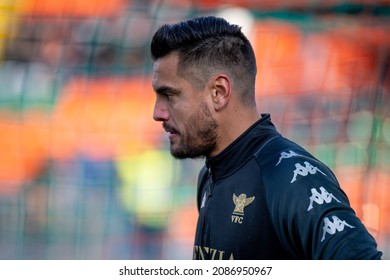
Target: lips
{"points": [[169, 129]]}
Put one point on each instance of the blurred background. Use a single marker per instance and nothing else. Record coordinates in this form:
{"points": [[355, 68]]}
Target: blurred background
{"points": [[85, 172]]}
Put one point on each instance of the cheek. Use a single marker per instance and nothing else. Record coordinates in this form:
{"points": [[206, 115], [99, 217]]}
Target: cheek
{"points": [[181, 111], [188, 112]]}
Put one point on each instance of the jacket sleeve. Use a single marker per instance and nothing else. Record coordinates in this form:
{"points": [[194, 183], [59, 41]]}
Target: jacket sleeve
{"points": [[310, 212]]}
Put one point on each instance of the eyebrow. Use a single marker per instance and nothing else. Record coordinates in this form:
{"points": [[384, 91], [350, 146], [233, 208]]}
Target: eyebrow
{"points": [[166, 89]]}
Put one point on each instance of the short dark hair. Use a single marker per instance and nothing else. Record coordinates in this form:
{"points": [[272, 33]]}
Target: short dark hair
{"points": [[207, 44]]}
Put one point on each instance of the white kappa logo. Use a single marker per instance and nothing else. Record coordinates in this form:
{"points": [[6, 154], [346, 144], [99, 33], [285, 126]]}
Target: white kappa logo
{"points": [[305, 170], [333, 227], [285, 155], [320, 197]]}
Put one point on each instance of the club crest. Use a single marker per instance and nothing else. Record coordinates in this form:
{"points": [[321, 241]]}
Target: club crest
{"points": [[240, 203]]}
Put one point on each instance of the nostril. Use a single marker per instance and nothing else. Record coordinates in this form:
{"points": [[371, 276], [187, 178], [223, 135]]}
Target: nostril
{"points": [[160, 115]]}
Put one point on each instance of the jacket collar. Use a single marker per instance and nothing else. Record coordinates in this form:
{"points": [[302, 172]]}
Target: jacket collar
{"points": [[241, 150]]}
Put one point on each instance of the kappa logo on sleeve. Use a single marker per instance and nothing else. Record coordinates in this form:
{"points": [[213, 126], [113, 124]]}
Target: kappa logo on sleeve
{"points": [[333, 227], [305, 170], [240, 203], [285, 155], [320, 197]]}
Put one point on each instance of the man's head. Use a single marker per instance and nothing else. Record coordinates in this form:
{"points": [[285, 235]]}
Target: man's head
{"points": [[198, 65], [206, 45]]}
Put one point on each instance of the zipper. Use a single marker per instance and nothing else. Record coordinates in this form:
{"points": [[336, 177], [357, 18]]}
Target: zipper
{"points": [[211, 184], [206, 233]]}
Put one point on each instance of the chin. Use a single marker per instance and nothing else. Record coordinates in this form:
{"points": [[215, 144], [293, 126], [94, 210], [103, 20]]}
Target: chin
{"points": [[180, 154]]}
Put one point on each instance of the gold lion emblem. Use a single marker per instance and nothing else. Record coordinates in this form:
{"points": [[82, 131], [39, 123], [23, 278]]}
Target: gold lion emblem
{"points": [[241, 202]]}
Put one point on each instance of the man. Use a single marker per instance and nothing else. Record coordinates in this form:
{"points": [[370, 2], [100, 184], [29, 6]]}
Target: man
{"points": [[260, 196]]}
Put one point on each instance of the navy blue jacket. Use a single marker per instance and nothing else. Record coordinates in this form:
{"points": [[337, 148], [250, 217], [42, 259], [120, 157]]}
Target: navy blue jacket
{"points": [[265, 197]]}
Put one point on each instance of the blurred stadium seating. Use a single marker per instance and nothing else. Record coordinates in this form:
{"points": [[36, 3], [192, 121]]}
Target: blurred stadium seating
{"points": [[85, 173]]}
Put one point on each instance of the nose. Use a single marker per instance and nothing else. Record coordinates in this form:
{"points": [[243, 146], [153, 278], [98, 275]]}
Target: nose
{"points": [[160, 112]]}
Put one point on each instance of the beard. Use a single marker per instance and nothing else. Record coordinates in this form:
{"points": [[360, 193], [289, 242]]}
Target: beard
{"points": [[199, 137]]}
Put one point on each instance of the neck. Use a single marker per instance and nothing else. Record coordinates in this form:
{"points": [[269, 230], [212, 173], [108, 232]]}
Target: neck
{"points": [[233, 125]]}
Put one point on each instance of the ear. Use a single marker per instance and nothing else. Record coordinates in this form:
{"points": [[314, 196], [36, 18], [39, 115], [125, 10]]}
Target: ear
{"points": [[221, 91]]}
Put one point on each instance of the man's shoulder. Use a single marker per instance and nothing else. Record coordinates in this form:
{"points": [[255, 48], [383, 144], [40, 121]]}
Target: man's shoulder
{"points": [[279, 151], [285, 163]]}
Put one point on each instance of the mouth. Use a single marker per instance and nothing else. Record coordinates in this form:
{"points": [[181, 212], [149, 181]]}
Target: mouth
{"points": [[170, 130]]}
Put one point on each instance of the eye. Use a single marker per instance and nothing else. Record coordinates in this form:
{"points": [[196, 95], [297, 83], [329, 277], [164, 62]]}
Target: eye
{"points": [[167, 93], [168, 96]]}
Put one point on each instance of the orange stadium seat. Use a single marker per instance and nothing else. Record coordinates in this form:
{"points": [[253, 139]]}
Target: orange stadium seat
{"points": [[73, 8], [22, 151], [104, 117]]}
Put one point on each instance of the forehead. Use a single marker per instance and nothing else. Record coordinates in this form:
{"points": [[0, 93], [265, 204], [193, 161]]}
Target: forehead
{"points": [[165, 70]]}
